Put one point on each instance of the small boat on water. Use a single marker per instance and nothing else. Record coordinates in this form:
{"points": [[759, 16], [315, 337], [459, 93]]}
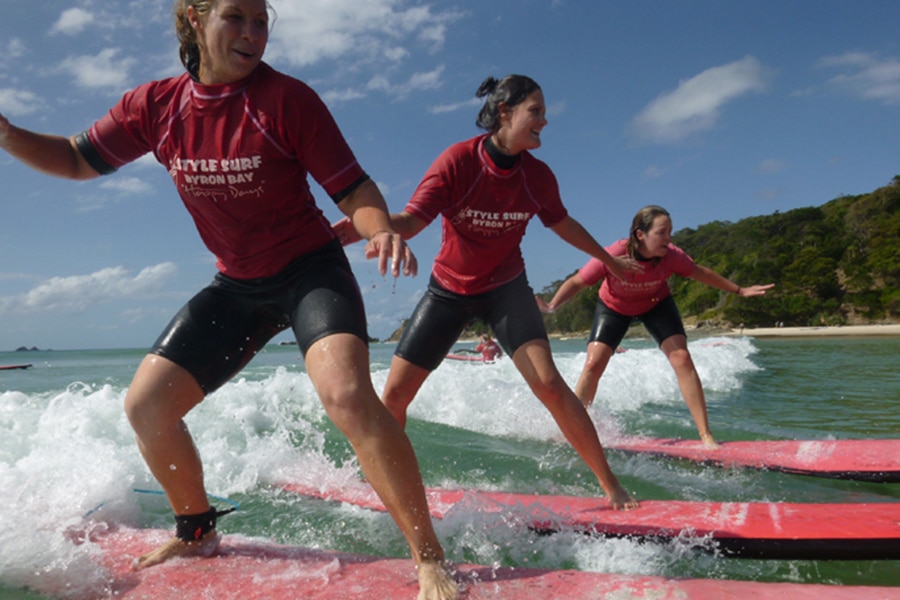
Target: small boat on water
{"points": [[11, 367]]}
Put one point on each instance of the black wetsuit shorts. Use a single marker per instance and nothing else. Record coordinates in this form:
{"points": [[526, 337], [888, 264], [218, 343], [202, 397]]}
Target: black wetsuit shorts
{"points": [[662, 321], [221, 328], [440, 317]]}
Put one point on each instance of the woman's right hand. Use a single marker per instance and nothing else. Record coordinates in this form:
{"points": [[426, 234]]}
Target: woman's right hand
{"points": [[543, 306], [4, 129], [345, 231]]}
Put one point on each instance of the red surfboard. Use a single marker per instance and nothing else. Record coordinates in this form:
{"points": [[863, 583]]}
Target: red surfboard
{"points": [[252, 569], [11, 367], [861, 460], [466, 357], [739, 529]]}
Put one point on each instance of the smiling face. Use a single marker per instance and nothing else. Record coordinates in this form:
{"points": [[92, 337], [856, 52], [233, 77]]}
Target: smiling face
{"points": [[654, 243], [232, 38], [521, 125]]}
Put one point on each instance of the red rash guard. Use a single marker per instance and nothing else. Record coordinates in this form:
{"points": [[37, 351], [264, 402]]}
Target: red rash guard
{"points": [[239, 155], [485, 212], [639, 292]]}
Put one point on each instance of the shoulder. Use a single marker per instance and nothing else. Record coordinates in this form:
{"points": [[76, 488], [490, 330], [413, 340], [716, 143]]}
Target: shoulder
{"points": [[460, 155], [160, 88], [464, 149], [677, 252], [271, 80], [530, 161], [678, 260]]}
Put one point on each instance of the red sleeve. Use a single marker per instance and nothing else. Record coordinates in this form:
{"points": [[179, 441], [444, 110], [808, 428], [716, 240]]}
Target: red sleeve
{"points": [[123, 135], [321, 146], [433, 194], [681, 263]]}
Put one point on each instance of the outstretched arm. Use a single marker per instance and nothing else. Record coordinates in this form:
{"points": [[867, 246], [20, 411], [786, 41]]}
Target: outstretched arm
{"points": [[367, 217], [50, 154], [403, 223], [713, 279], [566, 292], [572, 232]]}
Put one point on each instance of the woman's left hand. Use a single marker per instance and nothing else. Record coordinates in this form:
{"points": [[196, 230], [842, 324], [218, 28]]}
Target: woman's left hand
{"points": [[625, 265], [386, 246], [345, 231], [754, 290]]}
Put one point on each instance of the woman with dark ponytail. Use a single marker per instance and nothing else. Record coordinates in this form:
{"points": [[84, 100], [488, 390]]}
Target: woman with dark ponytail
{"points": [[645, 297], [239, 139], [487, 189]]}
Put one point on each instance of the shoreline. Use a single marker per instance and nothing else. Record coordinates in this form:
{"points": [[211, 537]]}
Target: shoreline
{"points": [[822, 331]]}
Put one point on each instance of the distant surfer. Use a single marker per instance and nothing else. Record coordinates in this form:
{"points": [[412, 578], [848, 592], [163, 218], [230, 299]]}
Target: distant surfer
{"points": [[490, 350], [645, 297], [487, 189], [238, 139]]}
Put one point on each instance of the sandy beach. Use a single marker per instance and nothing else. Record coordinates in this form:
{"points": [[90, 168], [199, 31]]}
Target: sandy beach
{"points": [[842, 331]]}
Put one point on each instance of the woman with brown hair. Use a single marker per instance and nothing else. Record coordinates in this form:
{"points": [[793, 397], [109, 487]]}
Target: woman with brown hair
{"points": [[645, 297]]}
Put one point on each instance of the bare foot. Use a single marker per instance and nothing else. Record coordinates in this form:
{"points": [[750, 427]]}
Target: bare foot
{"points": [[435, 582], [619, 499], [175, 548], [709, 442]]}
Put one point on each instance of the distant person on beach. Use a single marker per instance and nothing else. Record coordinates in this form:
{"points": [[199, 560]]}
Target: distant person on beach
{"points": [[490, 350], [239, 139], [487, 189], [645, 297]]}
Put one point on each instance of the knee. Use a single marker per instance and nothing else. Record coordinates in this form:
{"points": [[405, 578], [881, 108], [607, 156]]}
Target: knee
{"points": [[598, 356], [594, 365], [550, 388], [350, 405], [681, 360], [148, 414]]}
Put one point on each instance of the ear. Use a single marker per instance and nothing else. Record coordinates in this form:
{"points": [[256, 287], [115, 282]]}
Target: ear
{"points": [[194, 18], [503, 111]]}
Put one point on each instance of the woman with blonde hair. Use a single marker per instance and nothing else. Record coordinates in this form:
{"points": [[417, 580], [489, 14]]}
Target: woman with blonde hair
{"points": [[239, 139]]}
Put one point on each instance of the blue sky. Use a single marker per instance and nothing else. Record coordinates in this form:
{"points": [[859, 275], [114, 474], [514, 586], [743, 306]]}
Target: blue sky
{"points": [[717, 110]]}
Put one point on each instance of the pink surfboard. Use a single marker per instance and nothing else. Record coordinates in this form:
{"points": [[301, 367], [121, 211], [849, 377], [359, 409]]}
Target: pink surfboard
{"points": [[862, 460], [864, 531], [252, 569]]}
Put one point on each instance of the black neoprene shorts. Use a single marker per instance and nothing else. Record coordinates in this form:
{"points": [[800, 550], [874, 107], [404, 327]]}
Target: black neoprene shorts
{"points": [[221, 328], [662, 321], [440, 317]]}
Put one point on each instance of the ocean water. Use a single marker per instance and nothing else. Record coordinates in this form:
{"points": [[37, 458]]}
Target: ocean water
{"points": [[67, 455]]}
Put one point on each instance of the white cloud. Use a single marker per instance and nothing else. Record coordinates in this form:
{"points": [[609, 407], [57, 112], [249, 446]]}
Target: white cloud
{"points": [[72, 21], [771, 165], [77, 293], [15, 103], [15, 48], [333, 97], [428, 80], [127, 185], [697, 103], [867, 75], [445, 108], [372, 31], [105, 70]]}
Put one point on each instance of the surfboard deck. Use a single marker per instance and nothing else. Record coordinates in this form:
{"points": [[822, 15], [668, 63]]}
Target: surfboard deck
{"points": [[11, 367], [465, 357], [253, 569], [861, 460], [864, 531]]}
